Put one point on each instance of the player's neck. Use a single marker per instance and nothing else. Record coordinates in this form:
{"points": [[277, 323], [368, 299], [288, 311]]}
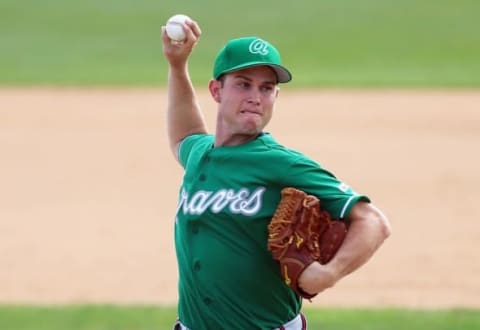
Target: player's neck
{"points": [[233, 139]]}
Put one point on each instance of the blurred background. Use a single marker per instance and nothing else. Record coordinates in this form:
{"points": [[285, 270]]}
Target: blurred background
{"points": [[326, 43], [385, 94]]}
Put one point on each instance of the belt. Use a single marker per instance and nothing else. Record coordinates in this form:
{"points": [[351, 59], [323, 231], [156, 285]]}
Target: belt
{"points": [[298, 323]]}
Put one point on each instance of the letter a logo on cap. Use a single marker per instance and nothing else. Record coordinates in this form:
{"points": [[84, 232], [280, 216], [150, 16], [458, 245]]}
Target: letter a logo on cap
{"points": [[258, 46]]}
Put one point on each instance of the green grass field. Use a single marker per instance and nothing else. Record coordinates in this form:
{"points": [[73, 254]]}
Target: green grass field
{"points": [[325, 43], [160, 318]]}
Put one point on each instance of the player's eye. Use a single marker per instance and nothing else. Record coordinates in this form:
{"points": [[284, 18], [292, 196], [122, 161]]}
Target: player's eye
{"points": [[243, 84], [267, 89]]}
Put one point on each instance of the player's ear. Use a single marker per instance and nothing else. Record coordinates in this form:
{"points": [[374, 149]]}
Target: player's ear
{"points": [[215, 86]]}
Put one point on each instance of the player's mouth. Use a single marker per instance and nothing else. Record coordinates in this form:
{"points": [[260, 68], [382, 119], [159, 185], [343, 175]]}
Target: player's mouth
{"points": [[250, 112]]}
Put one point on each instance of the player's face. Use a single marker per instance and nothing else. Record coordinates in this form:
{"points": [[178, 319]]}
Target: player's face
{"points": [[246, 99]]}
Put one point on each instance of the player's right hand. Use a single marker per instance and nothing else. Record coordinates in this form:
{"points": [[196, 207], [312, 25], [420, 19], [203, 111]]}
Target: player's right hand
{"points": [[177, 53]]}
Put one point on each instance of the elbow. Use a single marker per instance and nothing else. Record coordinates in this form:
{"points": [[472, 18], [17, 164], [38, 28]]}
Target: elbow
{"points": [[369, 216], [385, 227], [382, 222]]}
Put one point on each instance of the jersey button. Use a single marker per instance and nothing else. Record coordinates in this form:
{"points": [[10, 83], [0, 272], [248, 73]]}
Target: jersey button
{"points": [[195, 230], [202, 177], [207, 301], [196, 266]]}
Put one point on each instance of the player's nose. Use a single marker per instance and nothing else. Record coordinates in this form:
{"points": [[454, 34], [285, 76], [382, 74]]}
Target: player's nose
{"points": [[254, 96]]}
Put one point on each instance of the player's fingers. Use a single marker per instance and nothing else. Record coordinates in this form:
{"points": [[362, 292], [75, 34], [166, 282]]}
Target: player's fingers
{"points": [[194, 27], [169, 45], [170, 49], [167, 42], [192, 33], [163, 34]]}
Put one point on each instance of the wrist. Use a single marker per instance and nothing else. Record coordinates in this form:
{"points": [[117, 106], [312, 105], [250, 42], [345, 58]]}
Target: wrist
{"points": [[317, 278], [330, 271], [178, 70]]}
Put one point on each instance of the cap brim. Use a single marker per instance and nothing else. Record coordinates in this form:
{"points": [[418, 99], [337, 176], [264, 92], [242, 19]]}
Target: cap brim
{"points": [[283, 75]]}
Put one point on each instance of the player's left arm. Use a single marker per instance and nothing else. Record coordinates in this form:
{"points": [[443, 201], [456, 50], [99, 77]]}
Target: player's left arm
{"points": [[368, 229]]}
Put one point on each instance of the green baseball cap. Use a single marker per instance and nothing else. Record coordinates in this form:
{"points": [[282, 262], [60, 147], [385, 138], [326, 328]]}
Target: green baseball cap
{"points": [[247, 52]]}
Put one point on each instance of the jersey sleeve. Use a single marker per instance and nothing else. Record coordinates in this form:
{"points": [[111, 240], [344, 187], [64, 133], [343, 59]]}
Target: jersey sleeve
{"points": [[335, 196], [192, 144]]}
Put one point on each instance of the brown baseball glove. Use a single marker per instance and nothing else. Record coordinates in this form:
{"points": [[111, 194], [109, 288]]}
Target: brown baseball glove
{"points": [[300, 233]]}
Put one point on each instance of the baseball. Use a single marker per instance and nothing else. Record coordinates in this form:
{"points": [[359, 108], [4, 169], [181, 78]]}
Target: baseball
{"points": [[174, 27]]}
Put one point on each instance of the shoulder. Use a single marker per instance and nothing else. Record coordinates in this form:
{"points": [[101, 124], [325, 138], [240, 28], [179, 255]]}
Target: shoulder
{"points": [[279, 150], [194, 145]]}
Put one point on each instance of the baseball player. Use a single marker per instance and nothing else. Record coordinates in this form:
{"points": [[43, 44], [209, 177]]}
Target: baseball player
{"points": [[231, 187]]}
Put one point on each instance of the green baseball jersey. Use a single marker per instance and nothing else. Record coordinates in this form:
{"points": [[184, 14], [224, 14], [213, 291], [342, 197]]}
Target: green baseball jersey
{"points": [[227, 277]]}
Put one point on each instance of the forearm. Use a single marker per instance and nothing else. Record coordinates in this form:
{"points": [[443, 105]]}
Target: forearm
{"points": [[368, 229], [183, 112], [184, 116], [365, 235]]}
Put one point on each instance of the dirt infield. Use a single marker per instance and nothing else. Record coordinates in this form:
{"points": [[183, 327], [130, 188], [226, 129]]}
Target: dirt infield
{"points": [[88, 188]]}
